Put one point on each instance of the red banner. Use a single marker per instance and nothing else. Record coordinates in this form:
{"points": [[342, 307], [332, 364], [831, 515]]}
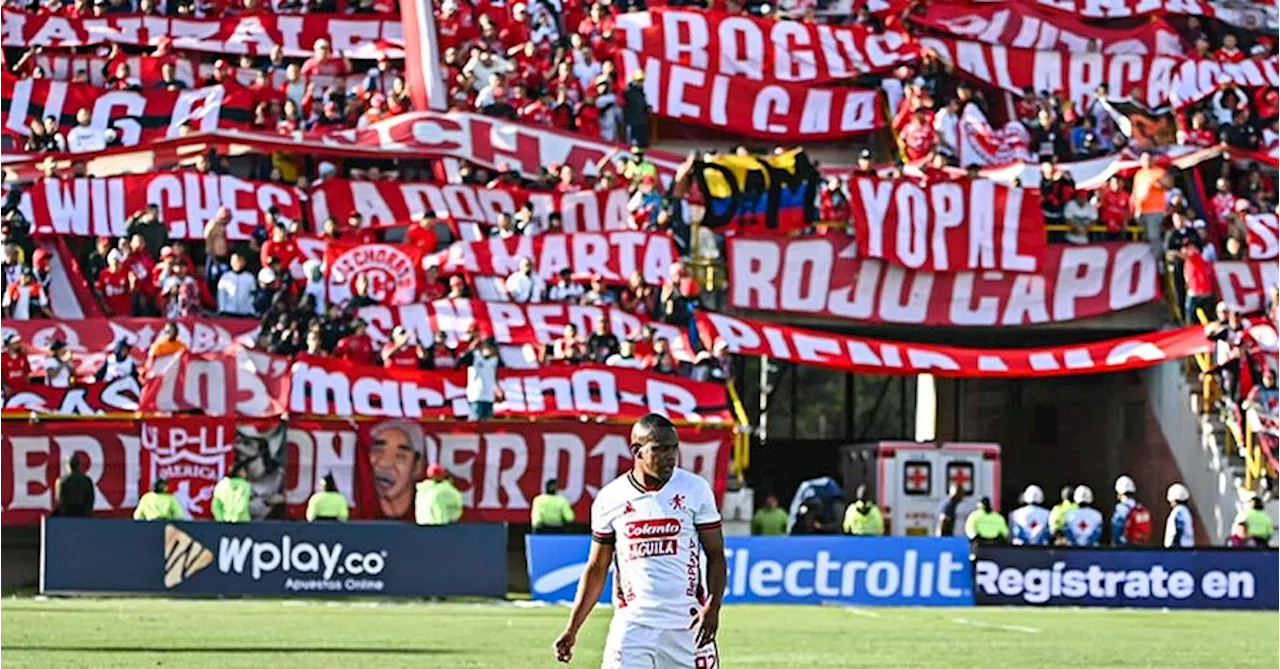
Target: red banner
{"points": [[613, 256], [822, 276], [1263, 234], [499, 467], [1156, 80], [512, 324], [90, 340], [136, 117], [390, 270], [948, 226], [877, 356], [1243, 286], [776, 110], [762, 49], [1027, 27], [262, 385], [118, 396], [254, 34], [64, 66], [1251, 15], [187, 200], [388, 203]]}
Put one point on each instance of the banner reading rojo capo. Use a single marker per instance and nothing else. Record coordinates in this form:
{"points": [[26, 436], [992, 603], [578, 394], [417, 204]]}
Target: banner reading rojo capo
{"points": [[270, 558], [1193, 579], [794, 570]]}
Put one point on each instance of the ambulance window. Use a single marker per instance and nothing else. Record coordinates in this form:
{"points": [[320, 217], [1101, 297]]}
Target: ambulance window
{"points": [[960, 473], [917, 477]]}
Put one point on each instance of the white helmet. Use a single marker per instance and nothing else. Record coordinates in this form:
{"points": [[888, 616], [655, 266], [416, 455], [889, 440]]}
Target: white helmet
{"points": [[1083, 495], [1178, 493], [1125, 486], [1033, 495]]}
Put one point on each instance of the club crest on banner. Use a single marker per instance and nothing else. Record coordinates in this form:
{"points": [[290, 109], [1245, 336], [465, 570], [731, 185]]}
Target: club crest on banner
{"points": [[390, 271]]}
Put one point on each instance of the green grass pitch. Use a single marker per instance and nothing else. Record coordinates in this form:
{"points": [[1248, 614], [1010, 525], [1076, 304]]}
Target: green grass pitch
{"points": [[142, 633]]}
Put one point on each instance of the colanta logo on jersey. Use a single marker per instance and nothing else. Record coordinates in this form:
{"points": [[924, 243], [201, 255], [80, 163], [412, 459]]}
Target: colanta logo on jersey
{"points": [[651, 537]]}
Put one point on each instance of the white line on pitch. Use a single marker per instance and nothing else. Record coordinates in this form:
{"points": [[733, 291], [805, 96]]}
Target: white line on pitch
{"points": [[1007, 628], [861, 612]]}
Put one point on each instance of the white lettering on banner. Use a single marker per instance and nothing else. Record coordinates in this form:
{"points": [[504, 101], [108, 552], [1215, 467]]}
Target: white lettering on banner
{"points": [[1042, 585], [1025, 29], [92, 207], [679, 92], [828, 576], [32, 488], [390, 272], [923, 227], [124, 111], [822, 276], [613, 255], [1263, 236], [865, 354], [1243, 285], [762, 49]]}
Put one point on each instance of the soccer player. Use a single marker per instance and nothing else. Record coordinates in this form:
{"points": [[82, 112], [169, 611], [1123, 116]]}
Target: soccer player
{"points": [[653, 523]]}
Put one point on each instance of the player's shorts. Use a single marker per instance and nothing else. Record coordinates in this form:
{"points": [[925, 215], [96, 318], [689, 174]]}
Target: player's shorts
{"points": [[635, 646]]}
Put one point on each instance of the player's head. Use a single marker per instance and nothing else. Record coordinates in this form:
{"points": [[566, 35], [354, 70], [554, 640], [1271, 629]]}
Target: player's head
{"points": [[655, 445]]}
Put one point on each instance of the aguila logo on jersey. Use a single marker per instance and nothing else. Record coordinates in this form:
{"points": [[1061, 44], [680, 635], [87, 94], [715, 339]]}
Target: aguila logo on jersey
{"points": [[653, 537]]}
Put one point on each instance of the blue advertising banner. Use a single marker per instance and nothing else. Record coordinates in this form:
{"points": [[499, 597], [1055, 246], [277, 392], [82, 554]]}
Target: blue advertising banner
{"points": [[1192, 579], [273, 558], [795, 570]]}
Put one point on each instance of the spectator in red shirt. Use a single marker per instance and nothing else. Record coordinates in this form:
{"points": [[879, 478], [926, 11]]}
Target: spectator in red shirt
{"points": [[356, 347], [1199, 134], [833, 204], [280, 247], [569, 347], [1113, 207], [323, 63], [661, 360], [918, 137], [17, 368], [1230, 51], [115, 286], [440, 356], [402, 351], [1198, 277], [432, 288]]}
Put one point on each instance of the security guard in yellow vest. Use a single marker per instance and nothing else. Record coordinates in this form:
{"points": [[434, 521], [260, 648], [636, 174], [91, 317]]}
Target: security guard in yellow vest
{"points": [[986, 525], [328, 503], [437, 502], [232, 496], [1058, 514], [1257, 522], [159, 504], [551, 511], [863, 517]]}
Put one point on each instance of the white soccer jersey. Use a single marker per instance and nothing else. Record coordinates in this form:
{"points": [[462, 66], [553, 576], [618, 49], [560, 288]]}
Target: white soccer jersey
{"points": [[657, 556]]}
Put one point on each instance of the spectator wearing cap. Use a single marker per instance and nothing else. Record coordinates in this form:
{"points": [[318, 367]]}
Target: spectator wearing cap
{"points": [[236, 289], [635, 111], [59, 370], [26, 299], [356, 347], [524, 286], [115, 286], [84, 138], [15, 364], [436, 500], [146, 222], [402, 350], [864, 167], [323, 63], [483, 392], [216, 247], [646, 202], [269, 287], [118, 364]]}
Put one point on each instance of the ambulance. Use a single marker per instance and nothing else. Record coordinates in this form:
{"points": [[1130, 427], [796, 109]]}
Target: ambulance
{"points": [[908, 480]]}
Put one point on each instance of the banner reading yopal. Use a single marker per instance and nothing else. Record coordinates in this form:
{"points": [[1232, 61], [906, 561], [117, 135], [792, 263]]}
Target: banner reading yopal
{"points": [[825, 276]]}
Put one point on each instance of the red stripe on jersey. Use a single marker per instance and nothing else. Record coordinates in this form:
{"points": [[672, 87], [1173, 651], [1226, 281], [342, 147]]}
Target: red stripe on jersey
{"points": [[603, 537], [707, 526]]}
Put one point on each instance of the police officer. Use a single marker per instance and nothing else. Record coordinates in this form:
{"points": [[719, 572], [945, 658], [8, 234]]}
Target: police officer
{"points": [[1179, 528], [1031, 521], [1059, 511], [327, 503], [231, 497], [985, 525], [1258, 524], [551, 511], [159, 504], [1082, 525], [863, 517], [437, 502]]}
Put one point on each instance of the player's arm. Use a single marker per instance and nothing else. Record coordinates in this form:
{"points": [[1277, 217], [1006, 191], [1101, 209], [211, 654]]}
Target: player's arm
{"points": [[589, 588], [708, 621]]}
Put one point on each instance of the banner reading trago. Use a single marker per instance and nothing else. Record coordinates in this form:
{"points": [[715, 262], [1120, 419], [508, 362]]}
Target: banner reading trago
{"points": [[824, 276], [876, 356], [949, 226]]}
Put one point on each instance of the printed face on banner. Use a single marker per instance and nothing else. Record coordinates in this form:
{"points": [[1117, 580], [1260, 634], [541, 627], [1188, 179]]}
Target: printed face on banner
{"points": [[397, 455]]}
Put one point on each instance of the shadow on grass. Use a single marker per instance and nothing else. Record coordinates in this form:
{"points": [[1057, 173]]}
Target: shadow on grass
{"points": [[339, 650]]}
